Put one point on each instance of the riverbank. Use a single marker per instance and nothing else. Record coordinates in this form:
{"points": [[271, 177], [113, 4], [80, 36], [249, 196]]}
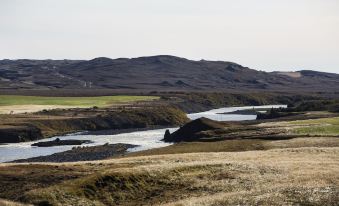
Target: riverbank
{"points": [[83, 154], [144, 139], [147, 138], [204, 135], [29, 127], [207, 130], [168, 110]]}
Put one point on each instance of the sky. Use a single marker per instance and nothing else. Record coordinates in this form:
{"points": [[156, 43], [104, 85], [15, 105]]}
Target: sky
{"points": [[268, 35]]}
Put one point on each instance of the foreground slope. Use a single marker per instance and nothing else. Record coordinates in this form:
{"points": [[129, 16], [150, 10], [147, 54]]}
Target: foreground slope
{"points": [[273, 177], [156, 73]]}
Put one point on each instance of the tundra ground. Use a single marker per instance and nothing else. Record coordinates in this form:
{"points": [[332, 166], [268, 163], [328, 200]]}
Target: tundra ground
{"points": [[279, 176]]}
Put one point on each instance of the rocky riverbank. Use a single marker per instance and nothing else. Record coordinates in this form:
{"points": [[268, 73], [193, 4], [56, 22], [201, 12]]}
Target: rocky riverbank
{"points": [[83, 154], [58, 142], [30, 127]]}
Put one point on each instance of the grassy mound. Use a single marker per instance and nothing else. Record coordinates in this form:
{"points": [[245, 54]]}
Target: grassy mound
{"points": [[191, 130], [114, 188]]}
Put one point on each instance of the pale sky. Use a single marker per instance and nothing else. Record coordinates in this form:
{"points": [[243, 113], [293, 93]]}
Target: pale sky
{"points": [[261, 34]]}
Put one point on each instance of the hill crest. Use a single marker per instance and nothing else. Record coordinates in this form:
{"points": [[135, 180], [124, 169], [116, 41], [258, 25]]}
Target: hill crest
{"points": [[163, 72]]}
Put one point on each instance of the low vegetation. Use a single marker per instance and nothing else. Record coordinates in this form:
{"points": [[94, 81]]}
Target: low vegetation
{"points": [[9, 103], [315, 105], [197, 102], [301, 107], [324, 126]]}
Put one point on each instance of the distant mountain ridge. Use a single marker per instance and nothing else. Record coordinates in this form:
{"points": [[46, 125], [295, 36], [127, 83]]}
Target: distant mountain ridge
{"points": [[161, 72]]}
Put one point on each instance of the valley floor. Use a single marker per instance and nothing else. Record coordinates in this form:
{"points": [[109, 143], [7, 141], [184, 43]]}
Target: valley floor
{"points": [[291, 161]]}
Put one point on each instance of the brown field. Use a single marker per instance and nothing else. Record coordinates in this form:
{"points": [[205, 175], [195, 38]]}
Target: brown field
{"points": [[10, 203], [240, 145], [307, 176]]}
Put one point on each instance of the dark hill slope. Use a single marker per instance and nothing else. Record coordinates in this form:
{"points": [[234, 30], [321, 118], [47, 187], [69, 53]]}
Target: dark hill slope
{"points": [[156, 73], [36, 74]]}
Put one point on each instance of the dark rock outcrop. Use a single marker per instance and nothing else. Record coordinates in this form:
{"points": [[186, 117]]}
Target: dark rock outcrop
{"points": [[167, 134], [15, 134], [192, 130], [58, 142]]}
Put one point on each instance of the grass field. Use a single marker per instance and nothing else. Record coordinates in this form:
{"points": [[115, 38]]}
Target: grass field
{"points": [[323, 126], [20, 104], [7, 100]]}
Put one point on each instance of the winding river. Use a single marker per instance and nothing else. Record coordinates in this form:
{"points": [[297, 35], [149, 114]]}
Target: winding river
{"points": [[145, 139]]}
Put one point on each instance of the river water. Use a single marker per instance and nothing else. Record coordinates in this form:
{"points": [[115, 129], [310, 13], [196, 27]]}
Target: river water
{"points": [[145, 139]]}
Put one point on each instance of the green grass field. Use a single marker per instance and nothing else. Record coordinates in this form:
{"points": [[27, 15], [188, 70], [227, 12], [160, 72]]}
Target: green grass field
{"points": [[101, 101], [323, 126]]}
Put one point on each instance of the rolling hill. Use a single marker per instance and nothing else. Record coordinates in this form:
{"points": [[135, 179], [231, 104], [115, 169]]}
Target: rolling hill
{"points": [[161, 73]]}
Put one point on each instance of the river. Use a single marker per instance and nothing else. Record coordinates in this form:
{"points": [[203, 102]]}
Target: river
{"points": [[145, 139]]}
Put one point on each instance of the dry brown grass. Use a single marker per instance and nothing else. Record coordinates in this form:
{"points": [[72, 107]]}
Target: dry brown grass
{"points": [[287, 177], [273, 177], [10, 203], [239, 145]]}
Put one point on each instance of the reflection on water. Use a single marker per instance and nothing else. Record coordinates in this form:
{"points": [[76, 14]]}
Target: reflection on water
{"points": [[145, 139]]}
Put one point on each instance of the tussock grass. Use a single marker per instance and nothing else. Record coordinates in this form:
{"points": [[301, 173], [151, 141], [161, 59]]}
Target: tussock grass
{"points": [[10, 203], [273, 177]]}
